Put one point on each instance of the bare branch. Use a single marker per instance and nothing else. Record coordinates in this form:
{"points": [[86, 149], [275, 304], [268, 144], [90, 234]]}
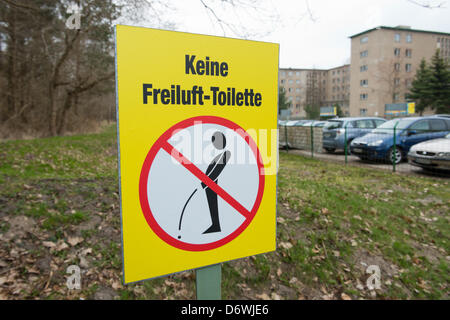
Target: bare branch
{"points": [[428, 4], [20, 5]]}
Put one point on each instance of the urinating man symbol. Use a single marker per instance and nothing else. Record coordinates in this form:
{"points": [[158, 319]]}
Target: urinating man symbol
{"points": [[213, 171]]}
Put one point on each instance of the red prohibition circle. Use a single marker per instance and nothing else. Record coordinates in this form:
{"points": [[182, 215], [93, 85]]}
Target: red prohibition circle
{"points": [[143, 197]]}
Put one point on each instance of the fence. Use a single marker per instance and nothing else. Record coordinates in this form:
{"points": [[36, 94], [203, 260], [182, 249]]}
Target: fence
{"points": [[397, 145]]}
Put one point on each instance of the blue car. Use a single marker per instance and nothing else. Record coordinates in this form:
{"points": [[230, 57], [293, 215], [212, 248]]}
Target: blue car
{"points": [[334, 131], [378, 145]]}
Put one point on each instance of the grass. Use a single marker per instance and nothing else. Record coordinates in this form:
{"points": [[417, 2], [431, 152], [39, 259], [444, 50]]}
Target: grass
{"points": [[351, 210], [333, 221]]}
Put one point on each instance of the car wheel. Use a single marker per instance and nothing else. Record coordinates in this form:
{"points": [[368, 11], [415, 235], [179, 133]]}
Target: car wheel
{"points": [[398, 155], [329, 150]]}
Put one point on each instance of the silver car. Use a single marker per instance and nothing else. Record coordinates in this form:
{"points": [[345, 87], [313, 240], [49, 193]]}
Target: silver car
{"points": [[431, 154]]}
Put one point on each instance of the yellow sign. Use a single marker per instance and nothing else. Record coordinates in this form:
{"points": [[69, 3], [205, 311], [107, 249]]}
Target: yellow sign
{"points": [[197, 121], [411, 108]]}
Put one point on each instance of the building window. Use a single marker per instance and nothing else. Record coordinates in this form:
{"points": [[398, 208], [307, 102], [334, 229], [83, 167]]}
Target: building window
{"points": [[397, 52], [282, 81], [408, 53], [298, 81], [397, 37], [297, 73], [396, 96], [363, 68], [290, 81], [408, 67], [363, 96], [364, 83], [364, 54], [396, 81], [408, 38], [408, 83], [364, 39], [297, 89], [290, 90], [283, 73], [363, 112], [397, 66]]}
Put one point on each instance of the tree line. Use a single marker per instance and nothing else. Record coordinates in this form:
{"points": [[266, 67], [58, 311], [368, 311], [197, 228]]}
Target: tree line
{"points": [[55, 78], [431, 85], [48, 71]]}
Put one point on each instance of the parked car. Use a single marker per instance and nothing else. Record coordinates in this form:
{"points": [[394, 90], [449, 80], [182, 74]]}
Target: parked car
{"points": [[320, 123], [334, 131], [441, 115], [294, 123], [314, 123], [431, 154], [378, 145]]}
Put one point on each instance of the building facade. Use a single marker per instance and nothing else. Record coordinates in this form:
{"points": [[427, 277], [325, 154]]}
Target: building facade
{"points": [[338, 88], [383, 63], [316, 87]]}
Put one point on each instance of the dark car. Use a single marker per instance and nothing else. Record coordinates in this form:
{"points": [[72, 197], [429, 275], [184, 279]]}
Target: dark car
{"points": [[334, 131], [378, 145]]}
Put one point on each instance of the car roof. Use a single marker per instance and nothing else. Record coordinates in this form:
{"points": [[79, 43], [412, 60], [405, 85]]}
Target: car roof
{"points": [[421, 118], [354, 118]]}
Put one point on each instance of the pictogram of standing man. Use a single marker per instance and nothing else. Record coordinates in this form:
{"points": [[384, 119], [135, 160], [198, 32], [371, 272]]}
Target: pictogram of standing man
{"points": [[213, 171]]}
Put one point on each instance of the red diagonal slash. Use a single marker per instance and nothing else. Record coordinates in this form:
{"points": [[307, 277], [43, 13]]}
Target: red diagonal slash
{"points": [[205, 179]]}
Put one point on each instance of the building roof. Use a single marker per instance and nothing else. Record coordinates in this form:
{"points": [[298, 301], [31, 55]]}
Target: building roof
{"points": [[314, 69], [399, 28]]}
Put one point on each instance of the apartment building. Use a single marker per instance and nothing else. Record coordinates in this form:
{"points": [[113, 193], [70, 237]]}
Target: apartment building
{"points": [[383, 63], [316, 87], [338, 88], [294, 82]]}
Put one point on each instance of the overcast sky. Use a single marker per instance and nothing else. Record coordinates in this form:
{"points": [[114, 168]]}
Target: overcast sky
{"points": [[315, 37]]}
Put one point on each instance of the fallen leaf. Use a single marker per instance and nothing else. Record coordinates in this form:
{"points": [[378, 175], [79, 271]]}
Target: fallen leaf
{"points": [[263, 296], [116, 285], [281, 220], [345, 296], [275, 296], [48, 244], [293, 280], [286, 245], [61, 246], [73, 241], [86, 251]]}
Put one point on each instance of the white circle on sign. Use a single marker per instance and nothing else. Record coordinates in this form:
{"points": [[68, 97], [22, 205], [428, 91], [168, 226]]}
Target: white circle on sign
{"points": [[183, 197]]}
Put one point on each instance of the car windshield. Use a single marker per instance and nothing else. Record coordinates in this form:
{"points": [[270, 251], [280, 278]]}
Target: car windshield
{"points": [[447, 136], [388, 126], [333, 124]]}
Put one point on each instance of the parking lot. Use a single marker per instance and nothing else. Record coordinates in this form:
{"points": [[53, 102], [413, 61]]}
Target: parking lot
{"points": [[403, 167]]}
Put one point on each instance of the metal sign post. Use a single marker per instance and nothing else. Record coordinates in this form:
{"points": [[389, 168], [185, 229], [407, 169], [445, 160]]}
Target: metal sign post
{"points": [[208, 282]]}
